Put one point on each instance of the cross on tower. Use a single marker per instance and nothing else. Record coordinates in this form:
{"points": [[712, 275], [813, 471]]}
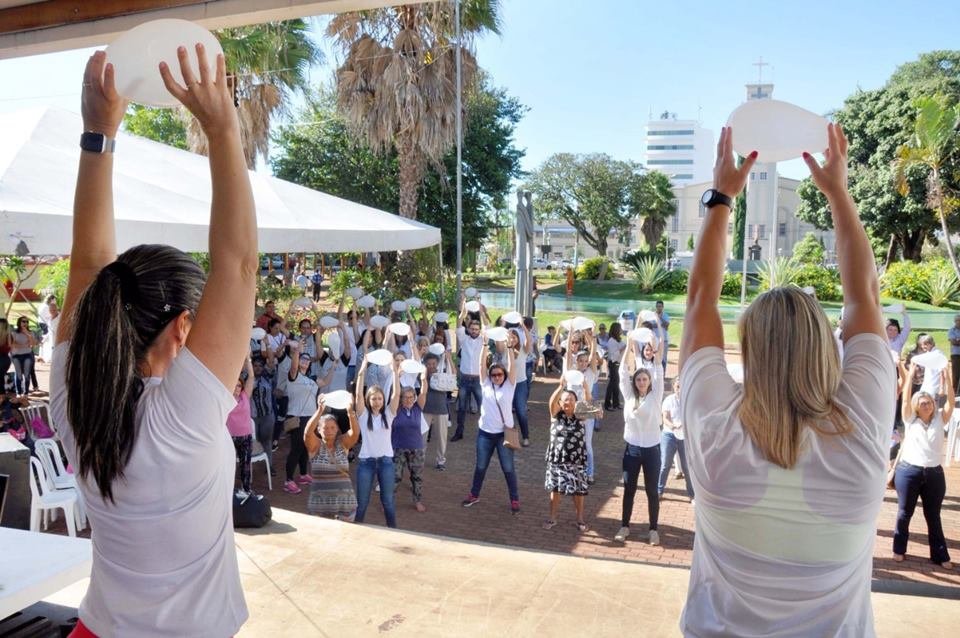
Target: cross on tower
{"points": [[760, 64]]}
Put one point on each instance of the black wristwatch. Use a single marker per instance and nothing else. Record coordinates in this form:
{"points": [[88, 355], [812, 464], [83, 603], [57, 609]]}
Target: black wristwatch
{"points": [[712, 197], [97, 142]]}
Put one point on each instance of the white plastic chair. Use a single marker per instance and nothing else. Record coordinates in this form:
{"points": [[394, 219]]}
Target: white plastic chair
{"points": [[953, 439], [48, 451], [32, 412], [45, 498]]}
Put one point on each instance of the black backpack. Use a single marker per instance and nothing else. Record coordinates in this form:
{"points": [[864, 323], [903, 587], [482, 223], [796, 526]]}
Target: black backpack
{"points": [[250, 510]]}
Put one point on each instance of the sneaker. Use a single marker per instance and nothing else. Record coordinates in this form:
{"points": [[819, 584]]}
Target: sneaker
{"points": [[654, 537], [470, 501], [678, 475], [304, 480], [515, 507], [526, 443], [275, 446], [591, 480], [441, 467], [622, 534], [456, 437], [290, 487]]}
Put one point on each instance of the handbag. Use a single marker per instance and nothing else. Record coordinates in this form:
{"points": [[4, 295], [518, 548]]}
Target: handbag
{"points": [[511, 438], [251, 510], [588, 410], [291, 423], [443, 382]]}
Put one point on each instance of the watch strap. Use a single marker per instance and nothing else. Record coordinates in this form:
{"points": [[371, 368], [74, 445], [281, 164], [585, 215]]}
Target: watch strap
{"points": [[717, 198]]}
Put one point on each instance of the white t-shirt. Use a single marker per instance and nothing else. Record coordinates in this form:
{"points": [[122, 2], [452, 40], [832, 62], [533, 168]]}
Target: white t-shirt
{"points": [[615, 350], [376, 442], [163, 553], [469, 352], [931, 381], [301, 394], [671, 406], [785, 552], [923, 446], [492, 419], [641, 416]]}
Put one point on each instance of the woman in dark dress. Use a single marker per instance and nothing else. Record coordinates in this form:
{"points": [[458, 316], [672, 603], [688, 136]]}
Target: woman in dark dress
{"points": [[566, 456]]}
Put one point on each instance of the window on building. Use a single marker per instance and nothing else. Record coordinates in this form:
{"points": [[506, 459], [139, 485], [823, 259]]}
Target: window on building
{"points": [[763, 231], [753, 176], [669, 147], [673, 245], [610, 254], [730, 228], [750, 231], [782, 230], [763, 175], [682, 176], [670, 162], [702, 209], [675, 226], [672, 132]]}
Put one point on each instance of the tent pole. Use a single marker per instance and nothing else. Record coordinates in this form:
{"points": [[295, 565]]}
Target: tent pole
{"points": [[440, 253]]}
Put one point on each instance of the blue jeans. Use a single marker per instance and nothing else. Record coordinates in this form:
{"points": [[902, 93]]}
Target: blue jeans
{"points": [[927, 484], [670, 445], [351, 375], [532, 364], [636, 458], [520, 396], [486, 444], [468, 386], [589, 426], [382, 468]]}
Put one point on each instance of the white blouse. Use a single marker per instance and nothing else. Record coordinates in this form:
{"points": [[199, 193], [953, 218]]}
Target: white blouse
{"points": [[641, 415], [923, 444]]}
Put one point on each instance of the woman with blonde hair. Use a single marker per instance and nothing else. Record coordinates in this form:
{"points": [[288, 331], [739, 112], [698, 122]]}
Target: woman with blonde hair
{"points": [[789, 466], [918, 472]]}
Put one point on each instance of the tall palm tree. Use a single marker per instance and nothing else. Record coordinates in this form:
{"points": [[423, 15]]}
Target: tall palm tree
{"points": [[935, 140], [397, 84], [266, 64], [651, 197]]}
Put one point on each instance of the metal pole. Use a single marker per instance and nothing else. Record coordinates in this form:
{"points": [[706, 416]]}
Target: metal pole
{"points": [[440, 252], [746, 243], [459, 118]]}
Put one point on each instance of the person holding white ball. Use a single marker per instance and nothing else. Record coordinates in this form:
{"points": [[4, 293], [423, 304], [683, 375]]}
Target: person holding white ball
{"points": [[788, 465], [147, 356]]}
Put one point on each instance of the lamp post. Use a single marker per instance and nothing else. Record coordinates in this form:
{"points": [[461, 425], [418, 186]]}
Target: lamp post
{"points": [[459, 120]]}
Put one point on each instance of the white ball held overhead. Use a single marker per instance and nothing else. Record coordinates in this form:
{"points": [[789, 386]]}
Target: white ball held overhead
{"points": [[513, 317], [136, 56], [411, 367], [379, 321], [778, 131], [472, 306], [437, 349], [399, 328], [497, 333], [573, 378], [257, 334], [470, 292], [355, 292], [414, 302], [338, 399], [329, 321], [366, 301], [380, 357]]}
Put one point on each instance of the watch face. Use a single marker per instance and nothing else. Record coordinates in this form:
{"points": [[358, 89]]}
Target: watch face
{"points": [[706, 197]]}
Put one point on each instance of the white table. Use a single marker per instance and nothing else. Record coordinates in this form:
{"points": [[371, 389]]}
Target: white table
{"points": [[34, 565]]}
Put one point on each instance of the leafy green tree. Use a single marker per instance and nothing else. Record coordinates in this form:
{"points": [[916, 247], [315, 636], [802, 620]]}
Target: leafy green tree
{"points": [[935, 138], [809, 250], [690, 242], [160, 125], [739, 225], [651, 197], [592, 193]]}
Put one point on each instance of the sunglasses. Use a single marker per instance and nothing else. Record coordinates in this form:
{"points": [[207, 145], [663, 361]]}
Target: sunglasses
{"points": [[496, 375]]}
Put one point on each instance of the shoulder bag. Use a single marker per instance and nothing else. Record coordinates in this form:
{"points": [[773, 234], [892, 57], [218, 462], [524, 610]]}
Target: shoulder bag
{"points": [[511, 438], [443, 382]]}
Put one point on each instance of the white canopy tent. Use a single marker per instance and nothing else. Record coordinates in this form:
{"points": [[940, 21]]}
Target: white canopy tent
{"points": [[162, 195]]}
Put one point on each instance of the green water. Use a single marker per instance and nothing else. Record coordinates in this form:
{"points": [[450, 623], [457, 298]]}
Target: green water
{"points": [[927, 320]]}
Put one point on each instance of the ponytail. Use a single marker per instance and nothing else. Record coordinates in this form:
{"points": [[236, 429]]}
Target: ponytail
{"points": [[116, 321]]}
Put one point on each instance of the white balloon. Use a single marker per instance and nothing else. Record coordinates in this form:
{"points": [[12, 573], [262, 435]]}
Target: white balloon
{"points": [[399, 306], [513, 317], [643, 335], [582, 323], [379, 321], [257, 334], [441, 317], [649, 315], [497, 333], [399, 328], [366, 301], [338, 399], [355, 292], [573, 378], [329, 321], [136, 56], [472, 306], [437, 349], [414, 302], [777, 130], [411, 367], [380, 357]]}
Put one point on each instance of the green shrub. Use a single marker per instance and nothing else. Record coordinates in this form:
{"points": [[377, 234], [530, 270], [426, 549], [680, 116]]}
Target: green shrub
{"points": [[809, 250], [941, 286], [53, 279], [731, 284], [675, 282], [825, 281], [650, 274], [590, 268], [905, 280], [370, 279], [781, 271]]}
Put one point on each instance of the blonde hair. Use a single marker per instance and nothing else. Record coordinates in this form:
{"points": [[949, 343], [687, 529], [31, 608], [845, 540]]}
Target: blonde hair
{"points": [[791, 373], [915, 403]]}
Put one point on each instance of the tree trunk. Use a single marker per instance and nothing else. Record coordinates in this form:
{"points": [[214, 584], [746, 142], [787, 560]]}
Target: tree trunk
{"points": [[912, 245], [411, 170], [603, 270], [938, 199], [891, 252]]}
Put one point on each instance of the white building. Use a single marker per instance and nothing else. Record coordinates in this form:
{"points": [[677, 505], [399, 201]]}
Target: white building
{"points": [[680, 148]]}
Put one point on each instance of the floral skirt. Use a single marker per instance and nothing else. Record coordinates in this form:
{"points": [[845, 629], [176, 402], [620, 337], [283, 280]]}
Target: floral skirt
{"points": [[566, 478]]}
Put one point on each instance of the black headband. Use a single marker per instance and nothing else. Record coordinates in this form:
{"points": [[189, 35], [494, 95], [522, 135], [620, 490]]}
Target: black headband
{"points": [[129, 290]]}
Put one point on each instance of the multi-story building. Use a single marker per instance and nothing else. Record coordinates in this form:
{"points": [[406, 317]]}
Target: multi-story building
{"points": [[680, 148]]}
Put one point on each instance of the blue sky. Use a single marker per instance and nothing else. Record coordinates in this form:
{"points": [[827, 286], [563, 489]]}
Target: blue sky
{"points": [[591, 71]]}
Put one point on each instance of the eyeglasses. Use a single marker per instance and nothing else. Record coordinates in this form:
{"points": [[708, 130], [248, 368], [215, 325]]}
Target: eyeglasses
{"points": [[496, 375]]}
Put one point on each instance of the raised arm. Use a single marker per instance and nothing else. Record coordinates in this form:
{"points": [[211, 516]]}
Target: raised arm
{"points": [[350, 438], [395, 395], [311, 437], [424, 389], [358, 403], [94, 238], [554, 402], [219, 332], [483, 358], [906, 409], [858, 270], [250, 380], [702, 325]]}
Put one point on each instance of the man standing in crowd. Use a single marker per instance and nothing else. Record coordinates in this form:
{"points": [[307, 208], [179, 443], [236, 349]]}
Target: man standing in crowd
{"points": [[317, 280]]}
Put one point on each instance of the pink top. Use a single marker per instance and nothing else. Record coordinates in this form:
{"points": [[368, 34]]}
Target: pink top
{"points": [[238, 421]]}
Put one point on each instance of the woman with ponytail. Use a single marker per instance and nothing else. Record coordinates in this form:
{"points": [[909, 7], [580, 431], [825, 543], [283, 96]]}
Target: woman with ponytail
{"points": [[146, 358]]}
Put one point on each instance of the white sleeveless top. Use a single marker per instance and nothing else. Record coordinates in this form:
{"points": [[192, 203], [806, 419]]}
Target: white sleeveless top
{"points": [[164, 560]]}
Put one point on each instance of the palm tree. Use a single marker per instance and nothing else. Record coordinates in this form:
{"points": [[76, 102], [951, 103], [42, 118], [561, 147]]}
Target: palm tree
{"points": [[935, 137], [397, 84], [651, 197], [266, 64]]}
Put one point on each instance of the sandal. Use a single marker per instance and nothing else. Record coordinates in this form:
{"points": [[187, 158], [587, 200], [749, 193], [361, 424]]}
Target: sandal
{"points": [[898, 558], [583, 527], [549, 524]]}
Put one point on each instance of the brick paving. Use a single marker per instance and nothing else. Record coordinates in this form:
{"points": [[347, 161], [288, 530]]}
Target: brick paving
{"points": [[490, 520]]}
